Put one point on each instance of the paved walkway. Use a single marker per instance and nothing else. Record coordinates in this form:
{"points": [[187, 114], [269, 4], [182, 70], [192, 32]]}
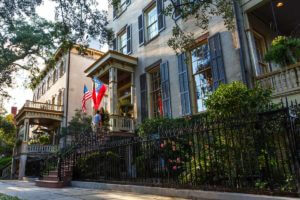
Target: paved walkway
{"points": [[28, 191]]}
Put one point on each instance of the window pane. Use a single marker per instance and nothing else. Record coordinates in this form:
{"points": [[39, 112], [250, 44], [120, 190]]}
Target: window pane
{"points": [[152, 25], [203, 83], [123, 43], [200, 58]]}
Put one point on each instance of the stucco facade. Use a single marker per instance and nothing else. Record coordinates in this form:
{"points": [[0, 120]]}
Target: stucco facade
{"points": [[157, 50]]}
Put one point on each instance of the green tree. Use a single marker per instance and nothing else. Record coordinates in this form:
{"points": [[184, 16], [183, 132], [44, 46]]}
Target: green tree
{"points": [[80, 122], [7, 134], [25, 38]]}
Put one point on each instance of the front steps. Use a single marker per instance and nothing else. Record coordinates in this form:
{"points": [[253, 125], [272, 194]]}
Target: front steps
{"points": [[52, 180]]}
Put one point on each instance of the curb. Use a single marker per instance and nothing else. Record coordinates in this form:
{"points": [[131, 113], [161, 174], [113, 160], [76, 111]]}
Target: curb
{"points": [[179, 193]]}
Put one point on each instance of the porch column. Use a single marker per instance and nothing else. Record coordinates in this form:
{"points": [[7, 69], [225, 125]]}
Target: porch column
{"points": [[13, 167], [113, 91], [22, 166], [26, 130], [24, 149]]}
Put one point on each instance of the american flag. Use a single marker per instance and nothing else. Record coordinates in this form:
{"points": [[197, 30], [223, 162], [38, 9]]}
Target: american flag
{"points": [[86, 96]]}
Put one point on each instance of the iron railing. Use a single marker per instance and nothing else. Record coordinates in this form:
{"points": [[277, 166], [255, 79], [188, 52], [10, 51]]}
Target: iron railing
{"points": [[257, 154]]}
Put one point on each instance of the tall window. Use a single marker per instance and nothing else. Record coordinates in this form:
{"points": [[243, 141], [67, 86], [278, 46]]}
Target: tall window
{"points": [[123, 5], [123, 42], [48, 82], [202, 74], [61, 69], [156, 92], [43, 88], [260, 52], [152, 23], [54, 76]]}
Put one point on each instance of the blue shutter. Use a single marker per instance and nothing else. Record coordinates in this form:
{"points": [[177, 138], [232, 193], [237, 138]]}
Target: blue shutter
{"points": [[160, 14], [144, 97], [128, 2], [129, 39], [184, 85], [114, 44], [165, 89], [141, 29], [216, 60]]}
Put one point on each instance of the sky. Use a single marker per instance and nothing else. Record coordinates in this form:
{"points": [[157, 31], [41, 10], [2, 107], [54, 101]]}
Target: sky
{"points": [[19, 93]]}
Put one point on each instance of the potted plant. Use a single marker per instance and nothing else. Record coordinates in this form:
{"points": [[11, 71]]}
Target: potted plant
{"points": [[125, 107], [284, 51]]}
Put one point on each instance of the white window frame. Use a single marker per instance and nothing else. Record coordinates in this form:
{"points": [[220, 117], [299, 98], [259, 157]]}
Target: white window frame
{"points": [[123, 47], [154, 23]]}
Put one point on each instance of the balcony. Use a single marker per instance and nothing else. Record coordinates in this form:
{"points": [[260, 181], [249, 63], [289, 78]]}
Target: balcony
{"points": [[43, 106], [42, 149], [121, 124], [282, 82]]}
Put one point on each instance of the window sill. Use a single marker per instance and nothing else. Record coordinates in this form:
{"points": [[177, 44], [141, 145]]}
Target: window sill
{"points": [[119, 14]]}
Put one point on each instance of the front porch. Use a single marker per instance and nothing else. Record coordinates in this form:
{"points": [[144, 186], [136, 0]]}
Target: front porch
{"points": [[117, 71], [264, 22], [38, 130]]}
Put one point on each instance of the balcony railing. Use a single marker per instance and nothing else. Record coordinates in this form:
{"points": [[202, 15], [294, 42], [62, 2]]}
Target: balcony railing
{"points": [[37, 148], [283, 81], [121, 123], [43, 106]]}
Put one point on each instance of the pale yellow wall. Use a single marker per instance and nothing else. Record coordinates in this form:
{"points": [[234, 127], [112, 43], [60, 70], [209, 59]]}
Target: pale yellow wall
{"points": [[77, 80]]}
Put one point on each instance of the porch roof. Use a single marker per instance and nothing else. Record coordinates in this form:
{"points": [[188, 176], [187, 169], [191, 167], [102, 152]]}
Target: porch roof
{"points": [[108, 58]]}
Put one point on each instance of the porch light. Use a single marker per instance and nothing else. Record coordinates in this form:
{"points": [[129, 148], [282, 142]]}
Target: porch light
{"points": [[279, 4]]}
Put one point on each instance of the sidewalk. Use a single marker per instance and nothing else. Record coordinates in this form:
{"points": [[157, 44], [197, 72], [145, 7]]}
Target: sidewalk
{"points": [[28, 191]]}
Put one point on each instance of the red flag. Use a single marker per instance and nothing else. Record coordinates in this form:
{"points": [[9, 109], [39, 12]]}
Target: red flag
{"points": [[101, 94], [94, 97]]}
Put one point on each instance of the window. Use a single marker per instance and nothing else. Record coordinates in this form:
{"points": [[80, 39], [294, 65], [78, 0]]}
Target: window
{"points": [[202, 74], [48, 82], [54, 76], [155, 92], [152, 23], [117, 11], [177, 11], [43, 88], [61, 69], [123, 43], [260, 52]]}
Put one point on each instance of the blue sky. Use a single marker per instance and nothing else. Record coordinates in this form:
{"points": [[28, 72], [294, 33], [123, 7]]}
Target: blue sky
{"points": [[19, 93]]}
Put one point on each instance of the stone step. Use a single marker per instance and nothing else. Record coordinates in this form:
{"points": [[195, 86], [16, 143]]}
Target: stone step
{"points": [[50, 184], [51, 178]]}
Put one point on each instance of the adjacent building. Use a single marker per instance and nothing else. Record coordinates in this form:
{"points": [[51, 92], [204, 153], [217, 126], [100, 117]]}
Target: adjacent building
{"points": [[55, 98]]}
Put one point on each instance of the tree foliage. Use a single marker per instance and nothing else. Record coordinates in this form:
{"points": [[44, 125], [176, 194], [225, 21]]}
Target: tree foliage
{"points": [[25, 37], [7, 134]]}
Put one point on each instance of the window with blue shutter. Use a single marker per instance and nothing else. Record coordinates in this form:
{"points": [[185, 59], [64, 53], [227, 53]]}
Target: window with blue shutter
{"points": [[129, 39], [216, 60], [184, 85], [160, 14], [141, 29], [144, 97], [165, 89]]}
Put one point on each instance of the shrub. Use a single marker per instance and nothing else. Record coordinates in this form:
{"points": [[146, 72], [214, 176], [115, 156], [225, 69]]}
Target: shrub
{"points": [[6, 197], [236, 100]]}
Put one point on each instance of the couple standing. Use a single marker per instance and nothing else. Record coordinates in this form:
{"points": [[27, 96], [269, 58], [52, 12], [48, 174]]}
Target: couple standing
{"points": [[97, 120]]}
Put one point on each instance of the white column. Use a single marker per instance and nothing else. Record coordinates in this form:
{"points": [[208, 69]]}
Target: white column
{"points": [[113, 91], [22, 166], [26, 130]]}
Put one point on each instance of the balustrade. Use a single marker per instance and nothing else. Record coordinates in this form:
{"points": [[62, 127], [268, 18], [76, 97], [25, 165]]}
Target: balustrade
{"points": [[43, 106], [281, 81], [121, 123], [37, 148]]}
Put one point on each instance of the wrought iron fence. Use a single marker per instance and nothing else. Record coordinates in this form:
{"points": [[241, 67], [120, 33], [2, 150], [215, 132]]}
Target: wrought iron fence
{"points": [[258, 153]]}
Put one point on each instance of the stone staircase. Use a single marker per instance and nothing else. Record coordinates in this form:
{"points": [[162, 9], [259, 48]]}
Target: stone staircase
{"points": [[53, 180]]}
